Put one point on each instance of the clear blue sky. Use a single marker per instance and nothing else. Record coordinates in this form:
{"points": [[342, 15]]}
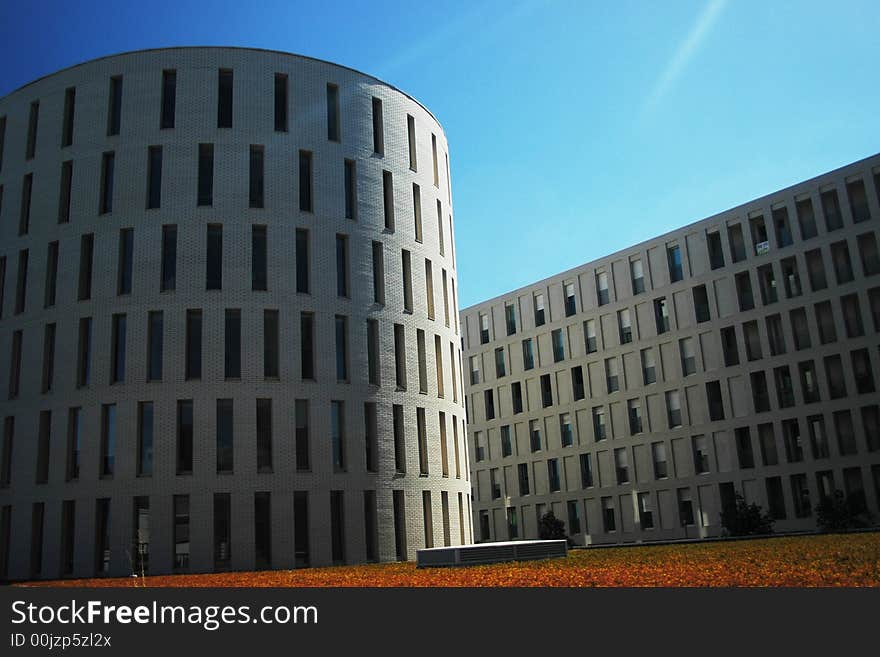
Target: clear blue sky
{"points": [[599, 124]]}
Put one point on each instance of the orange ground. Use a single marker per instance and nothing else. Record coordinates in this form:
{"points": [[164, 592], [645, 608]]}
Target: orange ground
{"points": [[828, 560]]}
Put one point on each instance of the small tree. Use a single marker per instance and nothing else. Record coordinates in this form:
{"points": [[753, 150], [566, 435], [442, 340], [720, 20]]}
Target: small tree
{"points": [[839, 512], [550, 527], [743, 519]]}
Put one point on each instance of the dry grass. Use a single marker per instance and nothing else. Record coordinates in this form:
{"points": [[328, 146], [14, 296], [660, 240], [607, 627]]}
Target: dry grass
{"points": [[827, 560]]}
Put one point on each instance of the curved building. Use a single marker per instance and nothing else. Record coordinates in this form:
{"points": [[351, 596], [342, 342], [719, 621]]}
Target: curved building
{"points": [[228, 319]]}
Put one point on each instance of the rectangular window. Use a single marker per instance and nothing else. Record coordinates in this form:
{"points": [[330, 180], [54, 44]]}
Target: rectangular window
{"points": [[417, 211], [388, 199], [843, 269], [809, 382], [280, 102], [673, 409], [577, 383], [117, 356], [700, 448], [818, 437], [333, 120], [716, 251], [169, 258], [586, 471], [685, 507], [350, 174], [649, 366], [400, 357], [737, 243], [2, 282], [155, 340], [599, 430], [305, 181], [371, 536], [371, 432], [510, 318], [791, 434], [302, 261], [602, 292], [378, 132], [378, 262], [767, 281], [570, 305], [399, 438], [224, 98], [51, 275], [744, 291], [858, 200], [341, 265], [114, 113], [341, 333], [302, 449], [262, 530], [256, 191], [422, 435], [68, 535], [775, 336], [745, 456], [15, 365], [500, 368], [224, 435], [206, 175], [556, 339], [713, 397], [590, 339], [126, 261], [337, 435], [438, 364], [688, 357], [307, 351], [553, 474], [806, 218], [565, 431], [608, 522], [673, 257], [538, 301], [791, 278], [24, 218], [214, 257], [67, 122], [861, 366], [145, 439], [108, 440], [373, 367], [767, 439], [781, 227], [64, 192], [102, 536], [411, 140], [701, 304], [852, 316], [264, 435], [154, 177], [84, 353], [489, 399], [270, 344], [2, 139], [86, 256], [259, 264], [193, 344], [759, 235], [169, 98], [440, 226], [729, 346], [637, 276], [74, 438], [624, 326], [48, 381], [825, 322], [33, 120], [222, 531], [661, 315], [816, 270], [184, 437], [869, 254]]}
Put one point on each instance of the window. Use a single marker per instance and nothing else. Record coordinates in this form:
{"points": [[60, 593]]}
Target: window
{"points": [[745, 456], [126, 258], [599, 432], [438, 364], [744, 291], [806, 218], [400, 357], [852, 316], [637, 275], [184, 451], [624, 326], [760, 395], [649, 366], [74, 436], [506, 443], [306, 350], [701, 304], [701, 454], [791, 435], [107, 166], [685, 507], [27, 185], [510, 318], [270, 344], [114, 114], [781, 227], [333, 119], [169, 93], [378, 133], [590, 340], [51, 275], [371, 537], [373, 369], [535, 435], [546, 391], [262, 530], [577, 383], [713, 396], [305, 181], [809, 382], [729, 346], [48, 382], [68, 531], [843, 270], [145, 439], [661, 315], [634, 413], [64, 192], [422, 434], [602, 293], [621, 465], [341, 265], [193, 344], [102, 536], [800, 328], [775, 497], [154, 177], [570, 307], [169, 258], [553, 474], [558, 345], [429, 296], [861, 365], [255, 185], [688, 358], [608, 523], [767, 281], [350, 176], [858, 200], [673, 258], [407, 281], [716, 251], [280, 102], [86, 255], [214, 257], [673, 409], [222, 531], [818, 437], [767, 439], [84, 353], [871, 425], [264, 435], [2, 282], [206, 175], [301, 448], [523, 479], [154, 345], [825, 321], [67, 121], [737, 243], [117, 356], [224, 435], [388, 199], [2, 138], [816, 270], [500, 367], [784, 387], [869, 254], [445, 299], [15, 365], [586, 471], [302, 261], [108, 440], [489, 399], [224, 98], [791, 278], [759, 235], [775, 335]]}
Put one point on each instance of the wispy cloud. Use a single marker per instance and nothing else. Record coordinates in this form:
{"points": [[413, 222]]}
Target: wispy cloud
{"points": [[686, 51]]}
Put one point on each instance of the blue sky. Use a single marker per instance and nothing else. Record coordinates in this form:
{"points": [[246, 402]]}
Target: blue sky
{"points": [[598, 124]]}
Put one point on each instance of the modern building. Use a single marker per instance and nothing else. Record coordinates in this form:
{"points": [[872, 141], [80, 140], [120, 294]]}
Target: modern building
{"points": [[636, 395], [228, 322]]}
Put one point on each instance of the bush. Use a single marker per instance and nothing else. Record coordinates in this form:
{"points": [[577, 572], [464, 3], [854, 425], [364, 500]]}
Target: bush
{"points": [[746, 519], [839, 512], [550, 527]]}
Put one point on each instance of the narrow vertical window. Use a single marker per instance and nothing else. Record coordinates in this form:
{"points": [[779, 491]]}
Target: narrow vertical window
{"points": [[51, 275], [270, 344], [337, 434], [108, 440], [262, 530], [193, 344], [350, 189], [224, 98], [86, 256], [84, 352], [399, 436], [301, 528], [256, 176], [264, 435], [24, 217], [43, 445], [224, 435], [301, 448], [280, 102], [438, 364], [417, 211], [107, 165], [307, 350], [422, 432], [341, 265], [429, 288], [145, 439], [68, 532], [302, 260], [169, 258], [206, 174], [333, 127], [411, 139], [440, 226], [15, 365], [67, 123], [126, 258], [378, 131], [434, 159], [341, 331], [184, 451], [400, 356], [232, 344], [259, 264], [154, 177], [373, 370], [337, 526], [378, 273], [33, 119], [114, 112], [407, 281], [169, 99], [102, 536], [2, 282], [48, 382], [64, 192], [214, 259], [422, 358], [222, 531], [21, 283], [3, 137], [371, 429], [117, 356], [428, 518], [155, 345], [388, 199], [305, 181], [74, 436]]}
